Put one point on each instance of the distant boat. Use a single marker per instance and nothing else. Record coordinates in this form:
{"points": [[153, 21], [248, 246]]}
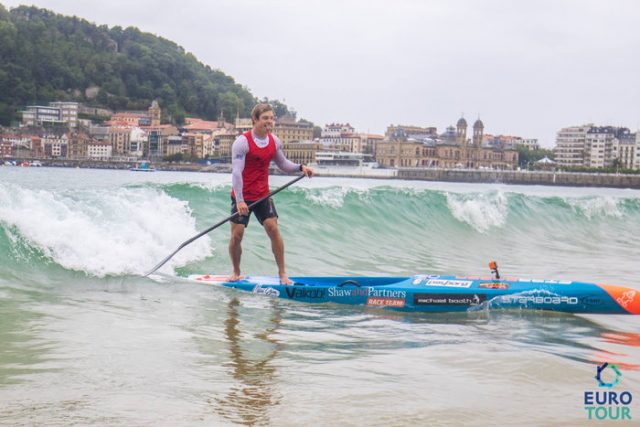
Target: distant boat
{"points": [[341, 163], [143, 167], [344, 159]]}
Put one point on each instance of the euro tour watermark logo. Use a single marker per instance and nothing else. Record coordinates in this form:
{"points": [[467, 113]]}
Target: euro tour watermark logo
{"points": [[605, 403]]}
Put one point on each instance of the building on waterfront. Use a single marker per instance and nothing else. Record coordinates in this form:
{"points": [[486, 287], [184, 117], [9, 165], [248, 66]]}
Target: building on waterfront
{"points": [[402, 153], [288, 130], [410, 146], [625, 149], [223, 139], [596, 147], [243, 125], [78, 146], [570, 145], [369, 142], [120, 139], [338, 136], [99, 150], [200, 144], [342, 137], [303, 152], [407, 146], [175, 146], [155, 147], [55, 146], [20, 146], [138, 142], [5, 148]]}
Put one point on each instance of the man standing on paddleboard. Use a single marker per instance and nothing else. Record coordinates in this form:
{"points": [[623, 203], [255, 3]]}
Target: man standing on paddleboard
{"points": [[251, 154]]}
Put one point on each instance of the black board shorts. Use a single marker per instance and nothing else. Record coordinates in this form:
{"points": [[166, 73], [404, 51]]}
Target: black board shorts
{"points": [[263, 210]]}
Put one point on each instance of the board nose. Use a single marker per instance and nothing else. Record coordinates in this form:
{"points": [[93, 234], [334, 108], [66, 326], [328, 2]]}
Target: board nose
{"points": [[627, 298]]}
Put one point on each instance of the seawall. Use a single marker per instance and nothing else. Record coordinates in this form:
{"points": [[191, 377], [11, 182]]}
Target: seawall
{"points": [[572, 179]]}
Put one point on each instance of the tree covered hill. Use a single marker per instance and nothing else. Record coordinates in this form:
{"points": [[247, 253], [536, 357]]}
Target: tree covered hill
{"points": [[46, 57]]}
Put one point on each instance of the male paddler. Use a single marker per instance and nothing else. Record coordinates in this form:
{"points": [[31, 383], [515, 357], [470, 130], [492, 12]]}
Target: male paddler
{"points": [[251, 154]]}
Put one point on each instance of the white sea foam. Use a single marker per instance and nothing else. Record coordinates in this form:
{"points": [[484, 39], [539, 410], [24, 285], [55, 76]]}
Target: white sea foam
{"points": [[213, 186], [333, 197], [597, 206], [480, 211], [106, 231]]}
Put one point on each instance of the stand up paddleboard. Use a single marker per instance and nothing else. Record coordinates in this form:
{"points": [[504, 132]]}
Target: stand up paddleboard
{"points": [[434, 293]]}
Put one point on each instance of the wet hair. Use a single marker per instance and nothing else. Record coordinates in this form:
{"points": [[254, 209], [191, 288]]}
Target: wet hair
{"points": [[259, 109]]}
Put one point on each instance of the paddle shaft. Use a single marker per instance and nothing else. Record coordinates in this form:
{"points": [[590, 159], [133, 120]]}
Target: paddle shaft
{"points": [[213, 227]]}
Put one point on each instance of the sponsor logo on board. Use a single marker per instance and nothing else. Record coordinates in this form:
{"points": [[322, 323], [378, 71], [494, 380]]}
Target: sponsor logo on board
{"points": [[347, 292], [538, 299], [303, 292], [605, 403], [270, 292], [385, 302], [368, 291], [448, 299], [449, 283], [626, 298], [422, 277]]}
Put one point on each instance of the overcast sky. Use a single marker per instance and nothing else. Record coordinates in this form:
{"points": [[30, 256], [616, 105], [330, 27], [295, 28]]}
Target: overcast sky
{"points": [[525, 67]]}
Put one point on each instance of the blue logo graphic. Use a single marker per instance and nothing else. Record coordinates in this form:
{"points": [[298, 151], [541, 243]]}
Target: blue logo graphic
{"points": [[601, 368]]}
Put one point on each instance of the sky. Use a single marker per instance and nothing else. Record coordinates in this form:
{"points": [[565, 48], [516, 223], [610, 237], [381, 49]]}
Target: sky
{"points": [[524, 67]]}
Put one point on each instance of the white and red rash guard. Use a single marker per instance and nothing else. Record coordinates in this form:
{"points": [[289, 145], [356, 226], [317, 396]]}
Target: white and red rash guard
{"points": [[251, 157]]}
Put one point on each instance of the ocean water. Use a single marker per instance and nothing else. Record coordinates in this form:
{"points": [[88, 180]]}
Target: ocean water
{"points": [[85, 340]]}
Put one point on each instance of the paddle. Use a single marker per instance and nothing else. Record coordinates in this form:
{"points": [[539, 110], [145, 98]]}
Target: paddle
{"points": [[213, 227]]}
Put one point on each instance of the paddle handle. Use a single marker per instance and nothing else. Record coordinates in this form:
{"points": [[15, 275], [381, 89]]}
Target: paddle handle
{"points": [[213, 227]]}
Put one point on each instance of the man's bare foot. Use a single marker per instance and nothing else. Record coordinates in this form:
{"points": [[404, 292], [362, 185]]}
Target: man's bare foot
{"points": [[234, 277], [284, 280]]}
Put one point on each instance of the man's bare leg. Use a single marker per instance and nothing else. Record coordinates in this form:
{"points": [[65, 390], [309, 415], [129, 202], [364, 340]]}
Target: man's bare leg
{"points": [[277, 247], [235, 250]]}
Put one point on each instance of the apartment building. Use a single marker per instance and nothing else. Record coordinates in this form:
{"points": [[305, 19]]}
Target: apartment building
{"points": [[68, 112], [99, 150], [120, 139], [571, 145], [200, 144], [596, 147], [41, 115]]}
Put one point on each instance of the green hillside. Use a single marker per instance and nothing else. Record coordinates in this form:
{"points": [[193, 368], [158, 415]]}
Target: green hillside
{"points": [[45, 56]]}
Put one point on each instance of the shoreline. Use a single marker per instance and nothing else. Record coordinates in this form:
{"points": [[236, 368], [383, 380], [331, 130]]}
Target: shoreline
{"points": [[548, 178]]}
